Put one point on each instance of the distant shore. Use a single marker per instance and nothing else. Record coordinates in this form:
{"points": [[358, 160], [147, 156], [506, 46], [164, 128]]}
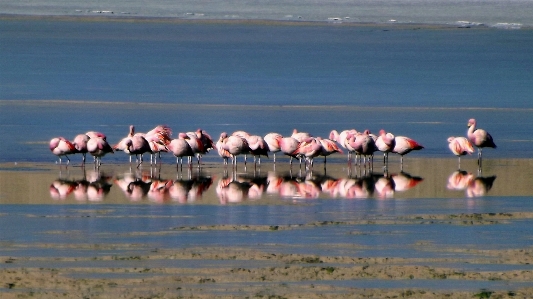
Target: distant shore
{"points": [[109, 17]]}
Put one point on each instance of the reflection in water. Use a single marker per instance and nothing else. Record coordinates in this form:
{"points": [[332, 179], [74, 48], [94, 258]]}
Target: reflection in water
{"points": [[472, 185], [240, 188], [237, 187], [93, 187], [139, 186], [309, 186]]}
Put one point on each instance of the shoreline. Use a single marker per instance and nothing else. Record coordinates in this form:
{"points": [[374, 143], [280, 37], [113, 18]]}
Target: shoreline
{"points": [[259, 22]]}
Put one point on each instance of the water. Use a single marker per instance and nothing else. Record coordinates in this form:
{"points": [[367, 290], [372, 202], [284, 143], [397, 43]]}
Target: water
{"points": [[66, 77]]}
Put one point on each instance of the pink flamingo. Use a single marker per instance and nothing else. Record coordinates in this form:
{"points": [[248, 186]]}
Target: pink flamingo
{"points": [[62, 147], [122, 144], [385, 143], [137, 145], [80, 142], [404, 145], [328, 147], [98, 147], [234, 145], [201, 143], [342, 139], [258, 147], [363, 144], [288, 146], [180, 148], [300, 136], [460, 146], [309, 148], [479, 137], [272, 141]]}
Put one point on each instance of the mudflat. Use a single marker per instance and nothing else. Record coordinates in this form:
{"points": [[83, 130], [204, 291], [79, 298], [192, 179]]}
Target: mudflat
{"points": [[267, 231]]}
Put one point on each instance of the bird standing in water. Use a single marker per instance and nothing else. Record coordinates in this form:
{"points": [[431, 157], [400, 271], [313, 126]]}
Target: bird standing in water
{"points": [[479, 138]]}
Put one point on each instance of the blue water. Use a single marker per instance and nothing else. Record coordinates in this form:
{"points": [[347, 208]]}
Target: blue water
{"points": [[62, 78]]}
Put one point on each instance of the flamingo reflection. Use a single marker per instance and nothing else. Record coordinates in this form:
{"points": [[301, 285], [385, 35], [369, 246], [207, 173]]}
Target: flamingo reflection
{"points": [[237, 189], [190, 189], [473, 186], [92, 187]]}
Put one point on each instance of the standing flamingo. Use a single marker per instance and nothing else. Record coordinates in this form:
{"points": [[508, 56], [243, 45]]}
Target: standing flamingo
{"points": [[258, 147], [98, 147], [460, 146], [272, 141], [122, 144], [201, 143], [300, 136], [342, 139], [80, 142], [62, 147], [309, 148], [288, 146], [364, 145], [234, 145], [137, 145], [479, 137], [385, 143], [404, 145], [180, 148], [328, 147]]}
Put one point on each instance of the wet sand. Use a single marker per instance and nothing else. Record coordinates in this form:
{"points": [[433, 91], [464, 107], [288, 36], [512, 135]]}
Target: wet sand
{"points": [[314, 243]]}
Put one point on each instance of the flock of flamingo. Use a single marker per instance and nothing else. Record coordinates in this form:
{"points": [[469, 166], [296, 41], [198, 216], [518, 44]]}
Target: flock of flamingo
{"points": [[300, 145]]}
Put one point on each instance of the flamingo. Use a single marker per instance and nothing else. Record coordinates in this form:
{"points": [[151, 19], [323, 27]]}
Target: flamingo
{"points": [[122, 144], [309, 148], [137, 145], [80, 142], [385, 143], [342, 138], [404, 145], [201, 143], [328, 147], [363, 144], [234, 145], [288, 145], [98, 147], [62, 147], [180, 148], [300, 136], [460, 146], [272, 141], [258, 147], [479, 137]]}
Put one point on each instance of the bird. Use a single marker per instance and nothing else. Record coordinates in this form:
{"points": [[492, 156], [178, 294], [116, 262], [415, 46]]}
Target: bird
{"points": [[201, 143], [62, 147], [180, 148], [342, 138], [479, 138], [300, 136], [288, 145], [404, 145], [234, 145], [137, 145], [98, 147], [272, 141], [309, 148], [363, 144], [328, 147], [80, 142], [121, 145], [385, 143], [258, 147], [460, 146]]}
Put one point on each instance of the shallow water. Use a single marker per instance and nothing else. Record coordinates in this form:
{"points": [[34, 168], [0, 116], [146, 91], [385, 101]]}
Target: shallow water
{"points": [[60, 79]]}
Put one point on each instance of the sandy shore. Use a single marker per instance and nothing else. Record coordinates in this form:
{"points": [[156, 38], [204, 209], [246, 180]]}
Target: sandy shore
{"points": [[58, 260]]}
